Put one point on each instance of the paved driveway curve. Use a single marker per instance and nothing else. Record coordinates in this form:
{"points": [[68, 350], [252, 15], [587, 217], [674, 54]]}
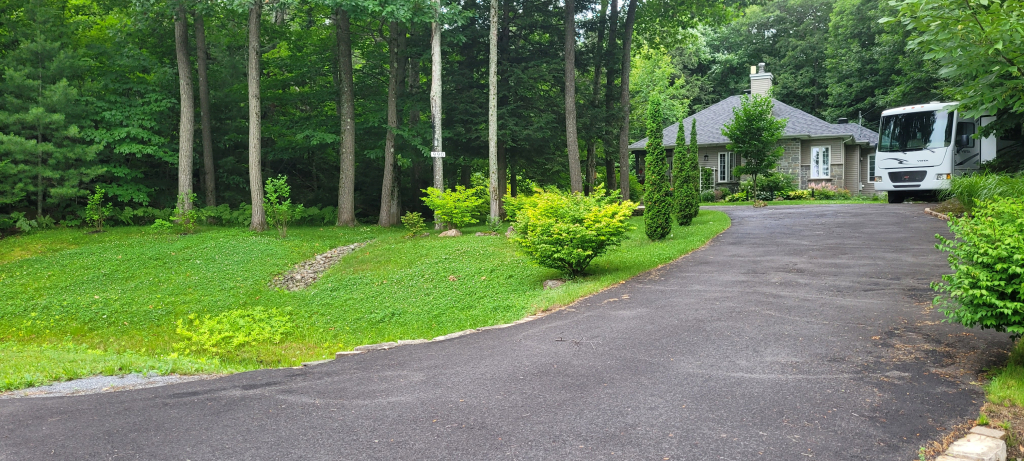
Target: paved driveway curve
{"points": [[799, 333]]}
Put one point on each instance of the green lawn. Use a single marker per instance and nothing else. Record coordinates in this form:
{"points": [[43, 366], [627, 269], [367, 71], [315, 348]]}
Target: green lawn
{"points": [[74, 304]]}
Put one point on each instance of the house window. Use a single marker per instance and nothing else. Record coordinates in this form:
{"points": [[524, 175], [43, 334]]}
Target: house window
{"points": [[871, 168], [821, 162], [724, 166]]}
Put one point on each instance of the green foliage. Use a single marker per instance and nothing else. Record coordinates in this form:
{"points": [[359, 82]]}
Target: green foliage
{"points": [[975, 188], [231, 330], [986, 255], [753, 134], [185, 214], [685, 175], [826, 190], [565, 231], [982, 419], [455, 208], [657, 201], [978, 46], [278, 205], [413, 222], [772, 185], [707, 196], [96, 212], [652, 73], [162, 225]]}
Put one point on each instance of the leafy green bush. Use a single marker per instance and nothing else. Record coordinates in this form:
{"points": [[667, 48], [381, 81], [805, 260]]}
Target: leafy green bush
{"points": [[162, 225], [456, 208], [986, 254], [96, 212], [184, 216], [413, 221], [566, 231], [208, 336], [278, 205], [771, 185], [740, 196], [707, 196]]}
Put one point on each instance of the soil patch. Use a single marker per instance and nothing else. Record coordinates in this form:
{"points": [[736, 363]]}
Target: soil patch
{"points": [[308, 271]]}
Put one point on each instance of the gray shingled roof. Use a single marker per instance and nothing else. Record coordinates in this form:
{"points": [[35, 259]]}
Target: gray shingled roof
{"points": [[801, 125]]}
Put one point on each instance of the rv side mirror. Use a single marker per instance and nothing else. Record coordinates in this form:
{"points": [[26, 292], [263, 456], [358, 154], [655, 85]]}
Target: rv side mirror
{"points": [[963, 140]]}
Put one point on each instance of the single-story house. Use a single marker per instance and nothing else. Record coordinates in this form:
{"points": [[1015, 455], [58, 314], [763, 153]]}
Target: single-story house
{"points": [[815, 151]]}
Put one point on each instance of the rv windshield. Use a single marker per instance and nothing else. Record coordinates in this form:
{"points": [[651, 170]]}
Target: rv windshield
{"points": [[915, 131]]}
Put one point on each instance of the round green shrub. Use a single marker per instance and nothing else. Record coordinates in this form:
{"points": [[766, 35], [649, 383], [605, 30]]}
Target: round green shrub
{"points": [[565, 231]]}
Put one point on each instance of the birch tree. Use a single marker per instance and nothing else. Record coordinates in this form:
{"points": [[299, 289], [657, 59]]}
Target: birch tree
{"points": [[492, 117]]}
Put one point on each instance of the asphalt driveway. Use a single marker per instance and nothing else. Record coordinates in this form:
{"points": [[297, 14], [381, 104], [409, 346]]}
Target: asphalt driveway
{"points": [[802, 332]]}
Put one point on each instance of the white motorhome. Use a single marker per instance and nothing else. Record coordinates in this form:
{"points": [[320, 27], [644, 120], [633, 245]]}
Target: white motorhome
{"points": [[921, 147]]}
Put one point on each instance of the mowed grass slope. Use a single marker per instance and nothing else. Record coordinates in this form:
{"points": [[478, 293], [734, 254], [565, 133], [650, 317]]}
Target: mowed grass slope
{"points": [[73, 304]]}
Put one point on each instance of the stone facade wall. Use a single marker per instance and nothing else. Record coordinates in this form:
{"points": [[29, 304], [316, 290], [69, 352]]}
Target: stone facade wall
{"points": [[790, 161]]}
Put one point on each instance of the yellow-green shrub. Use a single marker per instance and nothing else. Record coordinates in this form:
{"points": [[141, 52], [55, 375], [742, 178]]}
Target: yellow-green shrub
{"points": [[566, 231]]}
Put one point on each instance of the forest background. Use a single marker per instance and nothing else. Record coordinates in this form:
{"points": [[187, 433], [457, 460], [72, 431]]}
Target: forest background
{"points": [[90, 95]]}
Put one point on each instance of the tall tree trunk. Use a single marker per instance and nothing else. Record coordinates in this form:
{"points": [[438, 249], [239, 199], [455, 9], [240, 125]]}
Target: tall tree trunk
{"points": [[609, 98], [572, 143], [596, 101], [412, 86], [591, 166], [209, 179], [259, 217], [346, 112], [186, 122], [502, 170], [395, 71], [627, 41], [435, 99], [492, 118]]}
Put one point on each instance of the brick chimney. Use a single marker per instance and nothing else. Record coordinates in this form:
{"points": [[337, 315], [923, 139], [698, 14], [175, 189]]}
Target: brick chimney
{"points": [[760, 81]]}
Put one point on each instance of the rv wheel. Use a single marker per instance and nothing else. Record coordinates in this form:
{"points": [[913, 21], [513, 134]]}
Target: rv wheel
{"points": [[896, 197]]}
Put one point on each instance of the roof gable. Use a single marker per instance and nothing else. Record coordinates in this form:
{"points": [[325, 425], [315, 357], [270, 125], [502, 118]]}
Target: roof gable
{"points": [[711, 120]]}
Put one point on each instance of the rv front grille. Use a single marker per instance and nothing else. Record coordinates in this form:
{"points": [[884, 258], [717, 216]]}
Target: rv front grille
{"points": [[907, 176]]}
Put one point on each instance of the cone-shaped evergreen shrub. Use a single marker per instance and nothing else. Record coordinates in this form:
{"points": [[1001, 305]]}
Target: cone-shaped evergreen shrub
{"points": [[657, 203], [685, 178]]}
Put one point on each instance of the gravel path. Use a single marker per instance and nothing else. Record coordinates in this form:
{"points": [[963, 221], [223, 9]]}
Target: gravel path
{"points": [[308, 271], [97, 384]]}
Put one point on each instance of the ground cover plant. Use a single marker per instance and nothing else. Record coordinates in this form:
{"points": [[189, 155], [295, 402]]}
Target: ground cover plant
{"points": [[110, 302], [986, 254]]}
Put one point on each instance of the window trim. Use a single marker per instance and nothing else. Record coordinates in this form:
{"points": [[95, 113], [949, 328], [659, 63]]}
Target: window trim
{"points": [[725, 174], [827, 150], [872, 166]]}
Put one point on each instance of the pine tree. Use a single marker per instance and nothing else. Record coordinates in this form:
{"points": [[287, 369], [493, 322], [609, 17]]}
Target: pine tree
{"points": [[42, 115], [693, 167], [685, 198], [657, 204]]}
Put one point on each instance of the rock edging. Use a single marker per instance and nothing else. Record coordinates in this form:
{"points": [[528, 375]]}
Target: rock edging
{"points": [[407, 342], [310, 270], [980, 444], [936, 214]]}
